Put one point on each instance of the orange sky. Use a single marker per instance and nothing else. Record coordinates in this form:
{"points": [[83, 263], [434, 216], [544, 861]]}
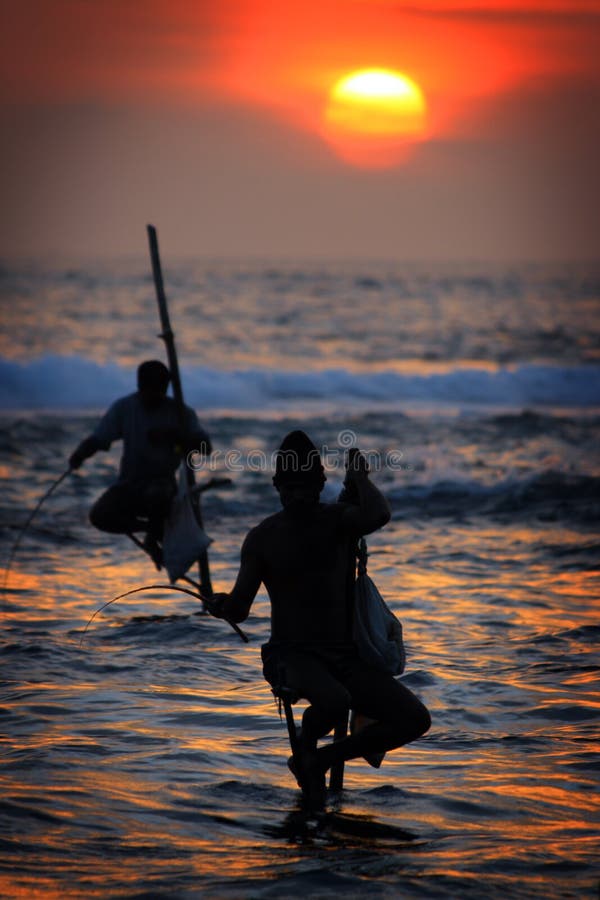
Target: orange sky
{"points": [[286, 55], [493, 71]]}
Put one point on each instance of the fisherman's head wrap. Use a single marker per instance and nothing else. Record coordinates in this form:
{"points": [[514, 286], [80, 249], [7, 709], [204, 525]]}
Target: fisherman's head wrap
{"points": [[298, 462], [153, 375]]}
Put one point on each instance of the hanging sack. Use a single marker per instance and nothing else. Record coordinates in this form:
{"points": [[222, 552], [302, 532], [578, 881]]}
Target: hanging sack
{"points": [[184, 541], [378, 636], [376, 630]]}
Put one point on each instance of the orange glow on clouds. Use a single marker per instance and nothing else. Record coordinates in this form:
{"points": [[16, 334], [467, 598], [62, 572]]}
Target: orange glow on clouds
{"points": [[286, 57]]}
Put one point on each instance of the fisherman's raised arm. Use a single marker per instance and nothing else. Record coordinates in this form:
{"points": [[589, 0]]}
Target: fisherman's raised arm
{"points": [[236, 604], [368, 509]]}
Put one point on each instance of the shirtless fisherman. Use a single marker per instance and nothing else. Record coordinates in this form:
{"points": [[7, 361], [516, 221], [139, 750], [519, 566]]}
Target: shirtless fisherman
{"points": [[305, 557], [154, 443]]}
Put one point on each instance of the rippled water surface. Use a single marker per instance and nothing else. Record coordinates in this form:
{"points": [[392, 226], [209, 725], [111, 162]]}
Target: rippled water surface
{"points": [[145, 757]]}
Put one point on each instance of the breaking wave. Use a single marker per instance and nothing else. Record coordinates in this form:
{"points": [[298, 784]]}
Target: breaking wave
{"points": [[73, 382], [551, 495]]}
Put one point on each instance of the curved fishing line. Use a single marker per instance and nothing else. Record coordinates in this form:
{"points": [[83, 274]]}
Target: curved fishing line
{"points": [[15, 546], [163, 587]]}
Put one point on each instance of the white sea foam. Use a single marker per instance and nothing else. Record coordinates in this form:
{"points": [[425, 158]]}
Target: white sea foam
{"points": [[72, 382]]}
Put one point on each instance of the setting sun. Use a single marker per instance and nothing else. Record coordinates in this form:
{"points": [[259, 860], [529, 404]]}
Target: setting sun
{"points": [[373, 115], [377, 101]]}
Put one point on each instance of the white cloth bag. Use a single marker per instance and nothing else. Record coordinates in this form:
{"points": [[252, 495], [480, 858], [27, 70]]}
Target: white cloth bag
{"points": [[376, 630], [184, 540]]}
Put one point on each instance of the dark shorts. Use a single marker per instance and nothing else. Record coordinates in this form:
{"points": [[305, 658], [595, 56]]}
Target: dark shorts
{"points": [[333, 678]]}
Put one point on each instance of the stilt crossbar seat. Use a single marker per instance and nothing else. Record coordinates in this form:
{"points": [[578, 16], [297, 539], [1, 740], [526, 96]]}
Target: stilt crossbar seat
{"points": [[287, 698]]}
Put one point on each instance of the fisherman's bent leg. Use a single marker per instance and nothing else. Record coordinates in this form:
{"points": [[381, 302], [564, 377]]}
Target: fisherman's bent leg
{"points": [[399, 716], [114, 510], [310, 679], [155, 502]]}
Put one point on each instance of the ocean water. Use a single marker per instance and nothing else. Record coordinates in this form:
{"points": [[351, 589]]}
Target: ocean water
{"points": [[145, 757]]}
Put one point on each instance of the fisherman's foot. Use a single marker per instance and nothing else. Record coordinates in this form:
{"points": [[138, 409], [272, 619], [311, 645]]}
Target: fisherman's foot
{"points": [[154, 550], [310, 776], [315, 790], [374, 759], [295, 762]]}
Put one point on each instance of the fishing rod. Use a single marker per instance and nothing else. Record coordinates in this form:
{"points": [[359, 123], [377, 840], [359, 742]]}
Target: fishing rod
{"points": [[185, 578], [167, 587], [207, 602], [15, 546]]}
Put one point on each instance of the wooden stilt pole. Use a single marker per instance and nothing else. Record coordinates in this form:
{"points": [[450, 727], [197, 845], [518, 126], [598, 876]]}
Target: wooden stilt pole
{"points": [[169, 339]]}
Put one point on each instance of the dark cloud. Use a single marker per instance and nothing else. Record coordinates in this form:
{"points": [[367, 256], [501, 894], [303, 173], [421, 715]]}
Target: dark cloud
{"points": [[537, 16]]}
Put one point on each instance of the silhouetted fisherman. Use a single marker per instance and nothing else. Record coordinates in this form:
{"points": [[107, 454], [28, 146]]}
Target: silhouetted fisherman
{"points": [[305, 557], [154, 443]]}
